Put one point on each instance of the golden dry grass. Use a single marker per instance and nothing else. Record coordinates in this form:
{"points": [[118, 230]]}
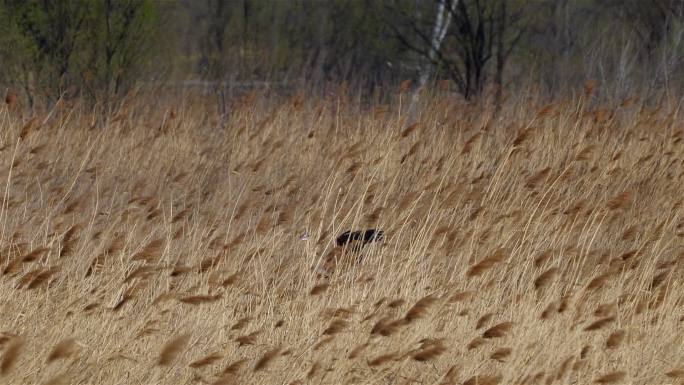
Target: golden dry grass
{"points": [[542, 244]]}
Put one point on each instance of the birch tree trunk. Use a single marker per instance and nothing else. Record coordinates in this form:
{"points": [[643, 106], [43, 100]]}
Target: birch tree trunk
{"points": [[439, 30]]}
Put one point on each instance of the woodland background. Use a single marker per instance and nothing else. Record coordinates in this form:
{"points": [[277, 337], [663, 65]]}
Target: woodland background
{"points": [[102, 49]]}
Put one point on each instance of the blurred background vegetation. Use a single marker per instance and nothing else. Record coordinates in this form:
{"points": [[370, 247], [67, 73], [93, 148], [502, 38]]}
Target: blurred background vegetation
{"points": [[102, 49]]}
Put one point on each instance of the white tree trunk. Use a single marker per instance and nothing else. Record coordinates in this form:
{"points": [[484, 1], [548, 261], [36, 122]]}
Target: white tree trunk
{"points": [[439, 30]]}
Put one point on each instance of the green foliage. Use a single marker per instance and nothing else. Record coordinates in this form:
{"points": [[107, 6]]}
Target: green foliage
{"points": [[121, 43], [52, 47]]}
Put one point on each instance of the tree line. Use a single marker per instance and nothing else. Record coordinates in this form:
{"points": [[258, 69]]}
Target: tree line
{"points": [[101, 49]]}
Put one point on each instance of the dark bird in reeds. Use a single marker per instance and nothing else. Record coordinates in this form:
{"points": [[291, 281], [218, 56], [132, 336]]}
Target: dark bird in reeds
{"points": [[360, 238], [350, 244]]}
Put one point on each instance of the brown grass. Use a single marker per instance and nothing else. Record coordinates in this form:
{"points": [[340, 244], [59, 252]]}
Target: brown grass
{"points": [[611, 378], [529, 244], [62, 350], [10, 356], [172, 349]]}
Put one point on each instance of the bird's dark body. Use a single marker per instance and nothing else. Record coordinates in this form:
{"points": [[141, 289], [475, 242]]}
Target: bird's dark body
{"points": [[349, 243], [362, 236]]}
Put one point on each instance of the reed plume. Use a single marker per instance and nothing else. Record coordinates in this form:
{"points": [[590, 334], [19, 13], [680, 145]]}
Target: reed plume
{"points": [[172, 349]]}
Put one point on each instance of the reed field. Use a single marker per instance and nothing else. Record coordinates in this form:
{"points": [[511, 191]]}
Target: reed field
{"points": [[154, 243]]}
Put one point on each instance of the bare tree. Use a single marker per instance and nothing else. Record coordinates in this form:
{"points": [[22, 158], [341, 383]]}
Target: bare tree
{"points": [[124, 22], [439, 31], [213, 60], [465, 36]]}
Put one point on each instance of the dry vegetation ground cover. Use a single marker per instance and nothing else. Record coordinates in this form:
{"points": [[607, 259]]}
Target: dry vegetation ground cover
{"points": [[536, 245]]}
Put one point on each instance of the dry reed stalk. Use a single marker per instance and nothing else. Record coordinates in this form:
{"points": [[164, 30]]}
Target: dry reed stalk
{"points": [[585, 153], [610, 378], [564, 303], [28, 277], [615, 339], [487, 263], [249, 339], [151, 252], [605, 310], [206, 360], [374, 217], [619, 201], [501, 354], [599, 281], [630, 233], [599, 324], [234, 367], [200, 299], [62, 350], [11, 98], [335, 327], [143, 271], [563, 369], [340, 312], [543, 280], [286, 215], [382, 359], [125, 297], [227, 379], [15, 264], [420, 308], [59, 379], [539, 177], [241, 323], [408, 130], [523, 135], [549, 310], [68, 241], [172, 349], [318, 289], [324, 341], [407, 201], [450, 377], [545, 110], [482, 321], [264, 225], [357, 350], [11, 355], [429, 351], [498, 330], [396, 303], [266, 359], [180, 215], [313, 370], [461, 296], [475, 343], [28, 127], [468, 145], [231, 279], [483, 380]]}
